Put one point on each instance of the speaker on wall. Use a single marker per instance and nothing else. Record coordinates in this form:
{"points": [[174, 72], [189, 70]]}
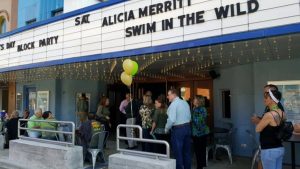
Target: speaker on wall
{"points": [[213, 74]]}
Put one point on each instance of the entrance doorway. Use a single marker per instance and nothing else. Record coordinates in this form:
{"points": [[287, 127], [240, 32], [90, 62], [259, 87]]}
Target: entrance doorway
{"points": [[30, 99], [116, 94], [156, 89], [4, 99], [188, 90], [4, 96]]}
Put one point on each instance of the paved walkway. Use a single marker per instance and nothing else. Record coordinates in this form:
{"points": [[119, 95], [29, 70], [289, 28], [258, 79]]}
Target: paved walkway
{"points": [[238, 162], [223, 163], [4, 153]]}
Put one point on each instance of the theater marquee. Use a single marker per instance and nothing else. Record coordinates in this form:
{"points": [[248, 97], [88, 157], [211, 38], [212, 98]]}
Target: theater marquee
{"points": [[142, 23]]}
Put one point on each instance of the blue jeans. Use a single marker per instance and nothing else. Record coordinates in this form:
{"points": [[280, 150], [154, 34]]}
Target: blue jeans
{"points": [[272, 158], [181, 146]]}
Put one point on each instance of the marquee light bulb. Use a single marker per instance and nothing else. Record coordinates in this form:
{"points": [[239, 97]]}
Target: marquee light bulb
{"points": [[199, 50]]}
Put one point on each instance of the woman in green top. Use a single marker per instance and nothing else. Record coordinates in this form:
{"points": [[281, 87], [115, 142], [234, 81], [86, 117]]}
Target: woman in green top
{"points": [[159, 122], [199, 130], [103, 113], [48, 116]]}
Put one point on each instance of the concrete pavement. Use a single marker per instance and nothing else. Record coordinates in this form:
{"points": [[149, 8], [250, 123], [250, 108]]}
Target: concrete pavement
{"points": [[238, 162]]}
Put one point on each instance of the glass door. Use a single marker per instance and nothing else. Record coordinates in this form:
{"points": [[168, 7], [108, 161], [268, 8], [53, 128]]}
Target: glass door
{"points": [[205, 89], [30, 99]]}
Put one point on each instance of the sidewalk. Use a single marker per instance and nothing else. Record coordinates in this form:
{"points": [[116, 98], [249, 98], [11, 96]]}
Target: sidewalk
{"points": [[238, 162], [4, 153]]}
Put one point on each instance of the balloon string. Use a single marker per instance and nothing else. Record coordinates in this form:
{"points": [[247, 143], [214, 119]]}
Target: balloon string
{"points": [[130, 91]]}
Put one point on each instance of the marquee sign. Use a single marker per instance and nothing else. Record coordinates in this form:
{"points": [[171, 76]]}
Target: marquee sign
{"points": [[137, 24]]}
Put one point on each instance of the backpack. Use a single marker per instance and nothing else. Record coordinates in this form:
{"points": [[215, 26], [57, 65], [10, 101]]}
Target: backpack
{"points": [[286, 129]]}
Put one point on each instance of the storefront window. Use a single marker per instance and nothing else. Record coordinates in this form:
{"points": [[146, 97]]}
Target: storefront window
{"points": [[226, 104], [19, 102], [31, 21], [30, 11], [290, 98], [32, 100], [185, 93], [42, 100], [203, 92], [57, 12]]}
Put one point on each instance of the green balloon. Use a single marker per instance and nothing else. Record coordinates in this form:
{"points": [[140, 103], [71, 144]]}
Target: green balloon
{"points": [[135, 68]]}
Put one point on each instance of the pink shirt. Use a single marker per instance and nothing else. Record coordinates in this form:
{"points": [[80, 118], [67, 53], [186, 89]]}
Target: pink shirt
{"points": [[123, 105]]}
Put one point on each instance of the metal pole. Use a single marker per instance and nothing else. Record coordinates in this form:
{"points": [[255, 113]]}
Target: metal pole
{"points": [[118, 135], [166, 87], [19, 129], [73, 133], [140, 139]]}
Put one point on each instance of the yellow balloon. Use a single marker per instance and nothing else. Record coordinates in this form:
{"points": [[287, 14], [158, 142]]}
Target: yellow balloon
{"points": [[126, 79], [128, 66]]}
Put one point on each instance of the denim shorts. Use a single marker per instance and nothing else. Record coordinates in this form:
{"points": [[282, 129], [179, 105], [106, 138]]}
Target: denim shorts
{"points": [[272, 158], [34, 134]]}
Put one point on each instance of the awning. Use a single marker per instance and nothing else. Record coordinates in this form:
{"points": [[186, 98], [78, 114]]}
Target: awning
{"points": [[189, 63]]}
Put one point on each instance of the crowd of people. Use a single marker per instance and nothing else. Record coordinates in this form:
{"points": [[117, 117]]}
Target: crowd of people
{"points": [[175, 121], [184, 122], [9, 125]]}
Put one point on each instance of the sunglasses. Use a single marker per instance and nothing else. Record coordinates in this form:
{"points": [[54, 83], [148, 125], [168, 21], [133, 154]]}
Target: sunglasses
{"points": [[266, 95]]}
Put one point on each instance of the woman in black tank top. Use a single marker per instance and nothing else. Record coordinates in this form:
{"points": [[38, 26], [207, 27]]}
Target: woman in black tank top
{"points": [[272, 150]]}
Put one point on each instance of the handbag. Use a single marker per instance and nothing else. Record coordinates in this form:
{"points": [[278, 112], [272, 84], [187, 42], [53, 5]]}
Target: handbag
{"points": [[286, 129]]}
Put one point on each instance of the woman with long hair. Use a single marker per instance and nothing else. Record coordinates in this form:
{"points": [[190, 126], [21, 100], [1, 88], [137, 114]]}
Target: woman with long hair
{"points": [[159, 122], [146, 111], [12, 127], [272, 149], [256, 119], [103, 113], [199, 130]]}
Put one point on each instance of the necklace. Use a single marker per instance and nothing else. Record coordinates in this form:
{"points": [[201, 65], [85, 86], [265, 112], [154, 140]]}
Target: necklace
{"points": [[274, 107]]}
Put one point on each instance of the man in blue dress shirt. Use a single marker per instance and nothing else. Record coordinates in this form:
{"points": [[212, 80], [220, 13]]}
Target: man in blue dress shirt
{"points": [[179, 117]]}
